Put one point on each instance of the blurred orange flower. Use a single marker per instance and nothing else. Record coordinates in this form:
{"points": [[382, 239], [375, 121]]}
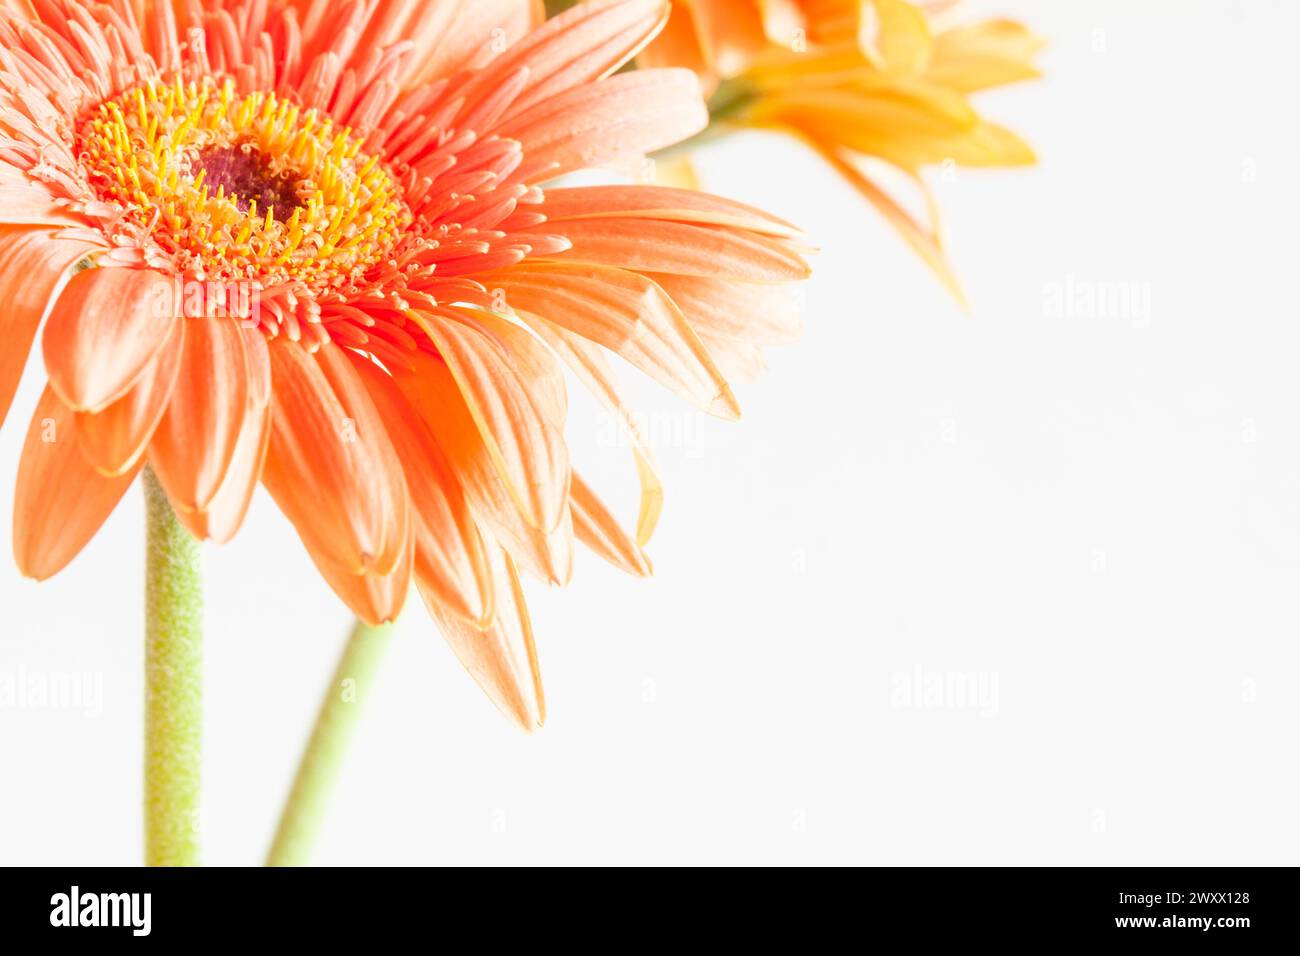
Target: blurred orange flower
{"points": [[882, 80]]}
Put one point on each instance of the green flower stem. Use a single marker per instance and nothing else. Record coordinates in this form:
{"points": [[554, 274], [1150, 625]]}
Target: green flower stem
{"points": [[335, 723], [173, 685]]}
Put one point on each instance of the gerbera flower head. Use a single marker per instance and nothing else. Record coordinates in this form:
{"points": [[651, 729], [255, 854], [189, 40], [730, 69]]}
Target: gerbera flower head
{"points": [[861, 81], [309, 245]]}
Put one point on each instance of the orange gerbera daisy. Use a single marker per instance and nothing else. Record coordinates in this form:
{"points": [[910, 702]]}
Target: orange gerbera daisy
{"points": [[858, 79], [323, 260]]}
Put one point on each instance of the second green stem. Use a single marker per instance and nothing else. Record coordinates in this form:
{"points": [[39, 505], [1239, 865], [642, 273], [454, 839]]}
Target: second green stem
{"points": [[335, 723]]}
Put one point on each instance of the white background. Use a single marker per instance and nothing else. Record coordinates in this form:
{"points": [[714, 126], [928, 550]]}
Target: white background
{"points": [[1096, 514]]}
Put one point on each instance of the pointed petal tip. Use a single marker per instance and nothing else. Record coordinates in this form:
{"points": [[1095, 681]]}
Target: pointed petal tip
{"points": [[528, 725], [725, 407], [647, 568]]}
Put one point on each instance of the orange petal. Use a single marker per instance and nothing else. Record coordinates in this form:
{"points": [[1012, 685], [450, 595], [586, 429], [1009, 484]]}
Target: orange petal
{"points": [[451, 561], [609, 121], [23, 205], [224, 514], [502, 658], [527, 450], [536, 366], [658, 202], [450, 36], [680, 44], [103, 332], [60, 501], [736, 311], [649, 245], [34, 262], [330, 465], [588, 363], [547, 556], [258, 360], [739, 361], [732, 32], [114, 439], [597, 529], [375, 598], [578, 46], [627, 314], [433, 393], [196, 440]]}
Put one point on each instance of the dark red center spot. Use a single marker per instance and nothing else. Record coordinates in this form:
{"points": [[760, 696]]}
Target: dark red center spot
{"points": [[248, 178]]}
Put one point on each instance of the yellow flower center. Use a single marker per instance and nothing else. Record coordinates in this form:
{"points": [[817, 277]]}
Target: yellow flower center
{"points": [[243, 187]]}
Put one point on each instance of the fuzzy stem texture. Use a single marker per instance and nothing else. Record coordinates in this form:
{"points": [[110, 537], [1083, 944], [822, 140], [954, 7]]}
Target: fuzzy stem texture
{"points": [[173, 670]]}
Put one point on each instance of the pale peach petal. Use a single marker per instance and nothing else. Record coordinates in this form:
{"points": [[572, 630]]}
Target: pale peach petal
{"points": [[595, 527], [578, 46], [588, 363], [650, 245], [739, 361], [736, 311], [658, 202], [628, 314], [547, 556], [102, 333], [502, 658], [610, 121], [34, 263], [452, 35], [25, 206], [60, 500], [536, 366]]}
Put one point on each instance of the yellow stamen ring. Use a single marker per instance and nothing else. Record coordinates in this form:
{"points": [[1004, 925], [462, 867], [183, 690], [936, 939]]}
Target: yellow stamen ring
{"points": [[243, 187]]}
